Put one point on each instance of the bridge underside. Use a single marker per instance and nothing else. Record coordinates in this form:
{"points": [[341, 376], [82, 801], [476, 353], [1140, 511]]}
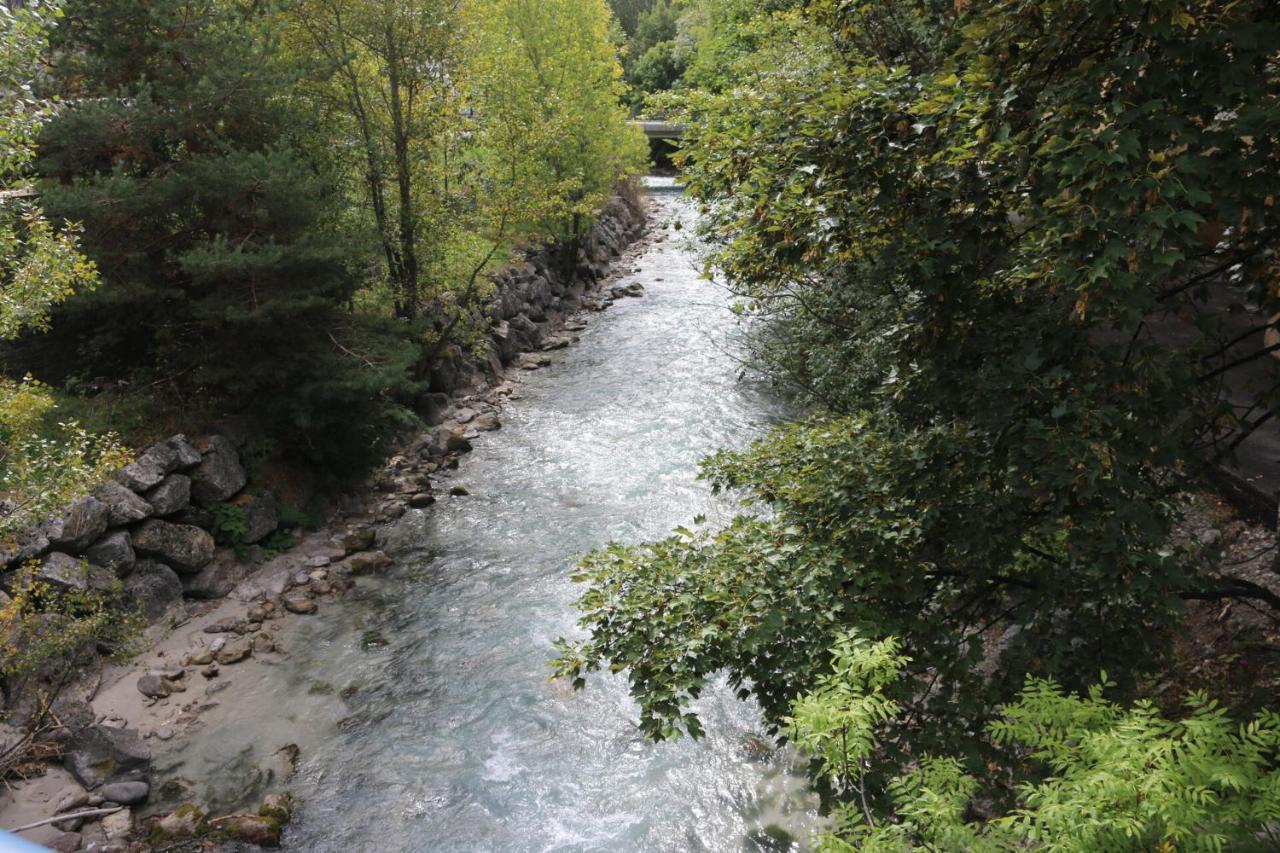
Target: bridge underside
{"points": [[661, 130]]}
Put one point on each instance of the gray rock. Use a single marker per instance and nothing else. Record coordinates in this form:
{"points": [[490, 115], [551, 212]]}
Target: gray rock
{"points": [[359, 539], [24, 546], [66, 572], [97, 756], [457, 442], [367, 563], [196, 517], [173, 454], [185, 548], [153, 686], [421, 500], [85, 521], [234, 652], [298, 603], [251, 829], [115, 551], [123, 505], [217, 579], [261, 516], [219, 475], [152, 588], [172, 495], [487, 423], [141, 475]]}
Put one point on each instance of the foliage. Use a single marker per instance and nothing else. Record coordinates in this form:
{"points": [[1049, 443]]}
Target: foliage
{"points": [[43, 463], [553, 138], [386, 74], [962, 226], [230, 524], [224, 247], [46, 634], [1096, 775]]}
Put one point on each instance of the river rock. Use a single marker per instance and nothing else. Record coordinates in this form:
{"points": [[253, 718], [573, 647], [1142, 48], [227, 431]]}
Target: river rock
{"points": [[117, 827], [114, 551], [125, 793], [173, 454], [172, 495], [359, 539], [251, 829], [459, 491], [219, 475], [65, 842], [487, 423], [234, 652], [261, 515], [153, 686], [152, 588], [84, 521], [66, 572], [186, 821], [219, 578], [185, 548], [97, 755], [421, 500], [123, 505], [368, 563], [299, 603], [457, 442]]}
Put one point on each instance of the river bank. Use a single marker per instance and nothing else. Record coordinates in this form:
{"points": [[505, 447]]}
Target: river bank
{"points": [[209, 654]]}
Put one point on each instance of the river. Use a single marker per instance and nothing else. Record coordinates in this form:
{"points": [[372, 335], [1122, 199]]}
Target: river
{"points": [[451, 737]]}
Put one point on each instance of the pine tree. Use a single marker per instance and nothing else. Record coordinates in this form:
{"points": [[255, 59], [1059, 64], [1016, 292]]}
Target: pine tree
{"points": [[221, 247]]}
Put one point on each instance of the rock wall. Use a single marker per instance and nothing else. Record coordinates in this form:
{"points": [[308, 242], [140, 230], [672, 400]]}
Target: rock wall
{"points": [[150, 528], [531, 298]]}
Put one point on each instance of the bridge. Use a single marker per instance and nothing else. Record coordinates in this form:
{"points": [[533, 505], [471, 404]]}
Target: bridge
{"points": [[660, 129]]}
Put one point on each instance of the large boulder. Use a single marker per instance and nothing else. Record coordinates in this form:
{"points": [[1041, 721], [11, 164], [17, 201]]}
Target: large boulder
{"points": [[26, 545], [219, 475], [99, 755], [217, 579], [115, 551], [173, 454], [186, 548], [261, 516], [151, 589], [123, 505], [84, 521], [64, 571], [172, 495], [141, 475]]}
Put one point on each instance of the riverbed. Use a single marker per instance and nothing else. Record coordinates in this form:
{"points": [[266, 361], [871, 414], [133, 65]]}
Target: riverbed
{"points": [[423, 705]]}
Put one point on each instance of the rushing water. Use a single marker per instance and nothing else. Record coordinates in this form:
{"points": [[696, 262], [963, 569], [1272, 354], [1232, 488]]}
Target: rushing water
{"points": [[452, 737]]}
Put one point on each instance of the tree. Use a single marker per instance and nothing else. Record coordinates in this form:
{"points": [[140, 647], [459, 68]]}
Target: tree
{"points": [[42, 466], [960, 223], [544, 82], [392, 66], [225, 249]]}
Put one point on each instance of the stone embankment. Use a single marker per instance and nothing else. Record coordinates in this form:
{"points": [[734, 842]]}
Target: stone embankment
{"points": [[193, 546]]}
